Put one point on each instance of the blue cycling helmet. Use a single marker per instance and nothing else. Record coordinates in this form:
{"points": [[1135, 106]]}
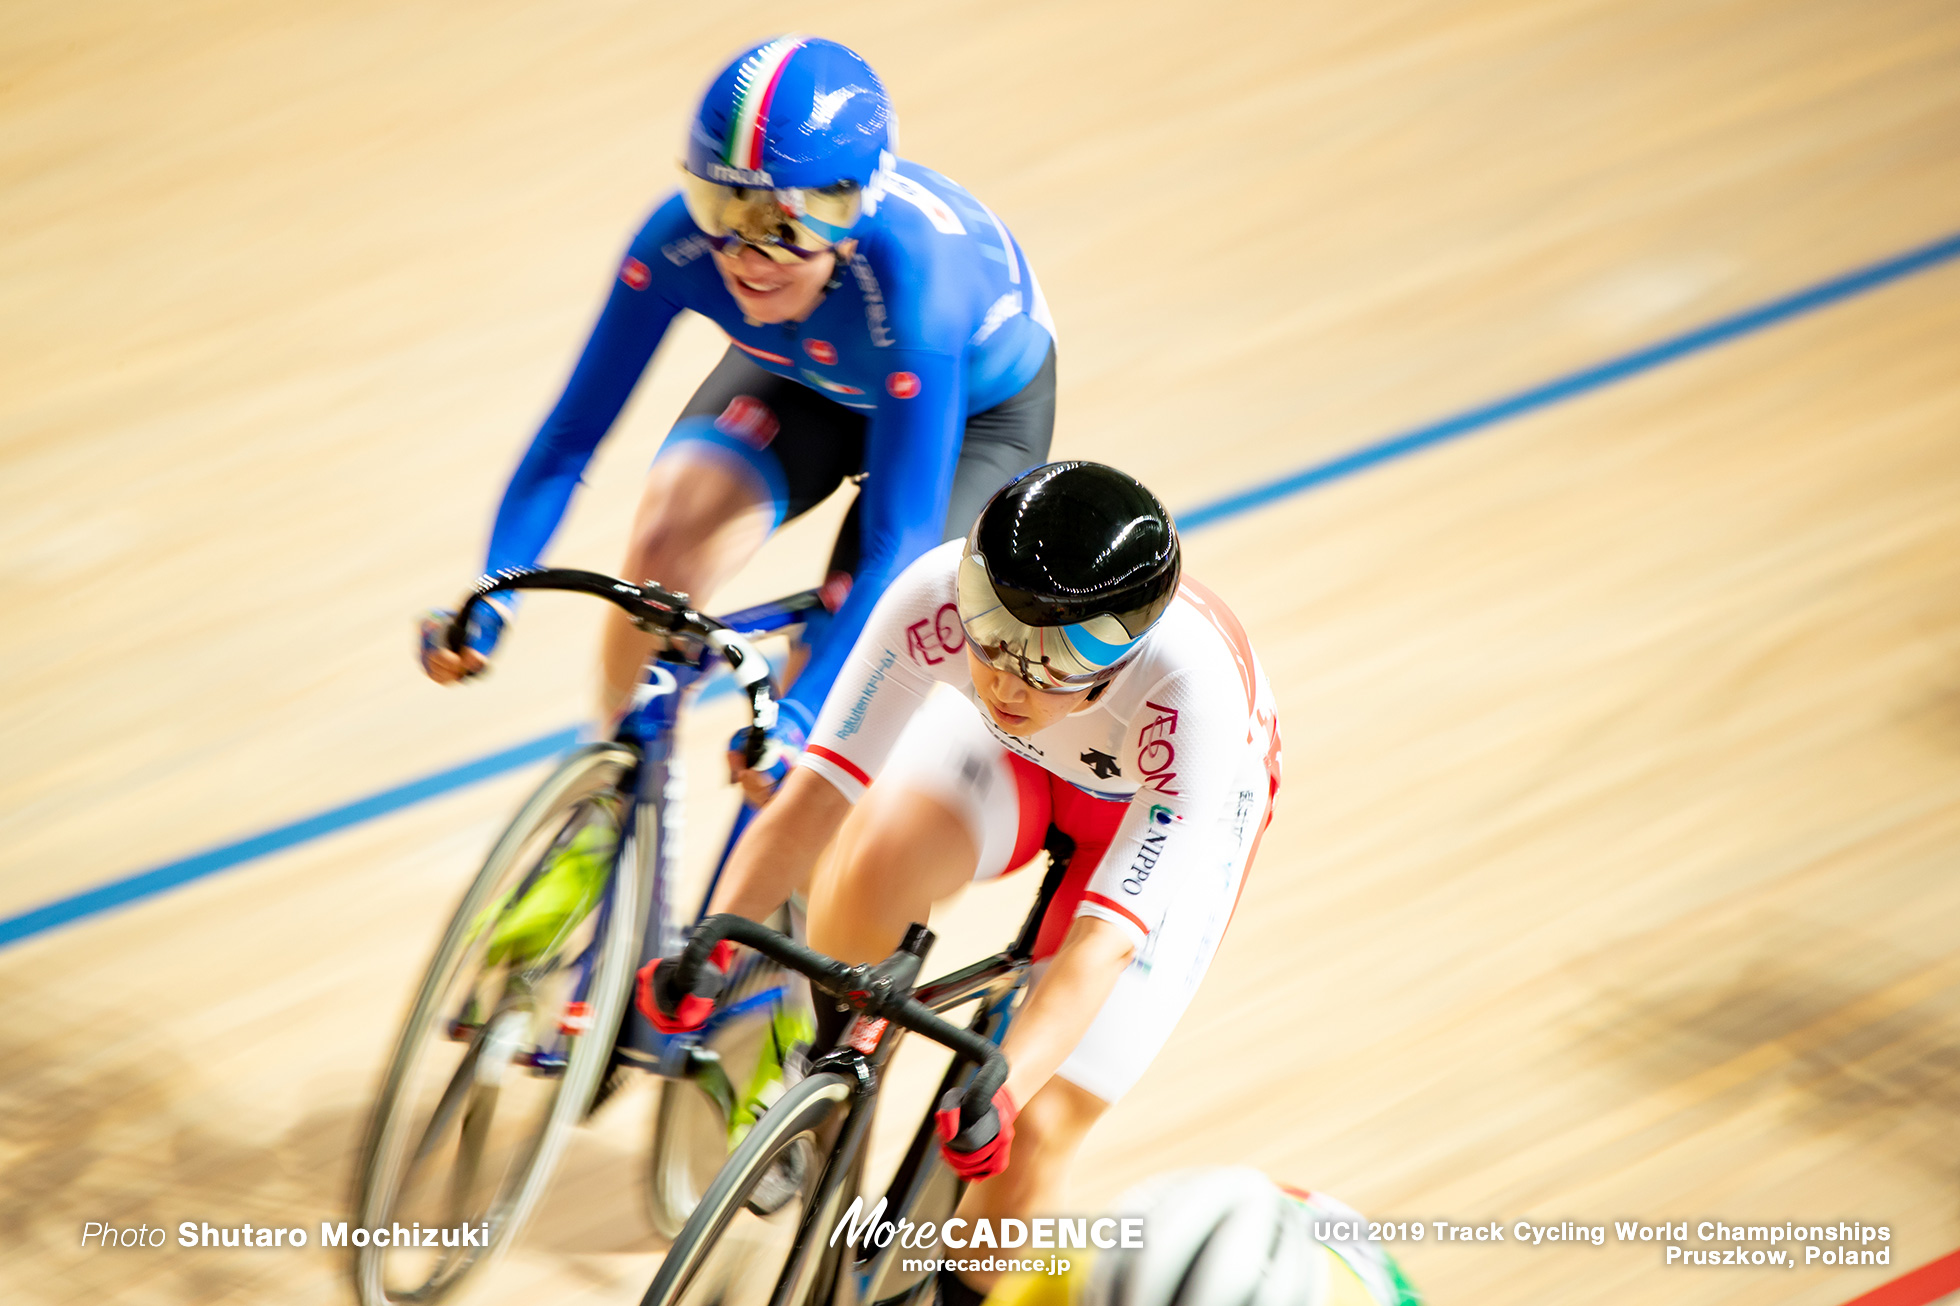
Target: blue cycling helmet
{"points": [[786, 146]]}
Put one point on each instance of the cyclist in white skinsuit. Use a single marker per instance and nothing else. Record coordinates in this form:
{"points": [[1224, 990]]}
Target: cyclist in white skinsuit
{"points": [[1098, 693], [1173, 768]]}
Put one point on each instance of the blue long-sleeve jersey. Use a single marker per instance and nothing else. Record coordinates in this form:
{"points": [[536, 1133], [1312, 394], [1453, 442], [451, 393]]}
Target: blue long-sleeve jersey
{"points": [[938, 317]]}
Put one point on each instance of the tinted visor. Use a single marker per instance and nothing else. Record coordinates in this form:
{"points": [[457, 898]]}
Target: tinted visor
{"points": [[786, 224], [1065, 658]]}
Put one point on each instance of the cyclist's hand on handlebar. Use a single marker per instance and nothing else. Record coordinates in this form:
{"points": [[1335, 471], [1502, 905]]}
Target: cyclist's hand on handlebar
{"points": [[981, 1150], [446, 666], [442, 666], [674, 1012], [784, 744]]}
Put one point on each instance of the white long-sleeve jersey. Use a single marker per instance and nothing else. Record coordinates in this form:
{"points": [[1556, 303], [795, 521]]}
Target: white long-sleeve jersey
{"points": [[1186, 734]]}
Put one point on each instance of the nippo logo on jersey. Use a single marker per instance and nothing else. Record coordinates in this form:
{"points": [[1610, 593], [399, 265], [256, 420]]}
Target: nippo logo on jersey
{"points": [[902, 385], [749, 420], [634, 273], [821, 350]]}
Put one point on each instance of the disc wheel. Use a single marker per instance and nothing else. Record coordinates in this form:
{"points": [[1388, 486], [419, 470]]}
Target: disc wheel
{"points": [[500, 1053], [739, 1247]]}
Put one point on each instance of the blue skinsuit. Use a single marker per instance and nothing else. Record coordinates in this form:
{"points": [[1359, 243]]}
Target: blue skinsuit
{"points": [[938, 317]]}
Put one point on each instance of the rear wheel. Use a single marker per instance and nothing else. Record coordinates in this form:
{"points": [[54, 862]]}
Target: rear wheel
{"points": [[507, 1038], [740, 1246]]}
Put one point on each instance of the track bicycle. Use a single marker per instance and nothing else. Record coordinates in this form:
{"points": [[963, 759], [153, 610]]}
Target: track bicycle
{"points": [[767, 1230], [524, 1017]]}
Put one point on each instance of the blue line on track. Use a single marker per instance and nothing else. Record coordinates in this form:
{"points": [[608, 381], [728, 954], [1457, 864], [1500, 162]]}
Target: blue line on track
{"points": [[160, 879], [1574, 384], [170, 875]]}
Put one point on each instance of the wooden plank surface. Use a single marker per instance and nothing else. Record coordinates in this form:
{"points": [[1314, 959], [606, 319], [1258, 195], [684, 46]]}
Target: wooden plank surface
{"points": [[1613, 874]]}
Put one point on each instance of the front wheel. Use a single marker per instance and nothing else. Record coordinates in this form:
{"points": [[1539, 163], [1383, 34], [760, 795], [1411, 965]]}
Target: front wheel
{"points": [[763, 1023], [740, 1246], [507, 1037]]}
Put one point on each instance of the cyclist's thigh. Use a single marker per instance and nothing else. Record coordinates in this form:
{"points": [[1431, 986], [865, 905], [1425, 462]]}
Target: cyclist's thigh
{"points": [[946, 753], [1151, 995], [796, 444], [998, 444]]}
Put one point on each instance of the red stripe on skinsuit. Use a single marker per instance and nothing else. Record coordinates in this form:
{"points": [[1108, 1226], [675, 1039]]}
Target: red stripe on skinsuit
{"points": [[1226, 623], [843, 763], [1119, 908]]}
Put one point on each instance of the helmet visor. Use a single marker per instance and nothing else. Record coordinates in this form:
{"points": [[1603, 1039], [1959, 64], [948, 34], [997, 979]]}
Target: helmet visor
{"points": [[1066, 659], [786, 225]]}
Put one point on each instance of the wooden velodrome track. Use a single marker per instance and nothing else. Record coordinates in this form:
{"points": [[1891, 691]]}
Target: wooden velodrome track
{"points": [[1614, 873]]}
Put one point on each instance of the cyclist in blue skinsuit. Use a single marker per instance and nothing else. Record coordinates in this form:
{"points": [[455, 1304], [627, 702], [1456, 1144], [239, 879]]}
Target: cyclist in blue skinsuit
{"points": [[883, 324]]}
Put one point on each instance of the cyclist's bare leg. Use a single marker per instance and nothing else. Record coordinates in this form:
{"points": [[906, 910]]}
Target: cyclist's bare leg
{"points": [[1047, 1135], [897, 854], [698, 521]]}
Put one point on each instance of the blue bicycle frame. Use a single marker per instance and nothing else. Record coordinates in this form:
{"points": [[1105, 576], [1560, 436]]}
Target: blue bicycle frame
{"points": [[657, 817], [651, 826]]}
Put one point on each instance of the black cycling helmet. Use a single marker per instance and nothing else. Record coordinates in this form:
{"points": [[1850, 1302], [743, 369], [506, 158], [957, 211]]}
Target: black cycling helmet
{"points": [[1066, 569]]}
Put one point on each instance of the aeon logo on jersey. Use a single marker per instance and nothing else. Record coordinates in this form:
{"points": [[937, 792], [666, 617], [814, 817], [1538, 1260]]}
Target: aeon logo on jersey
{"points": [[1156, 754], [946, 634], [902, 385], [749, 420], [635, 274], [821, 350]]}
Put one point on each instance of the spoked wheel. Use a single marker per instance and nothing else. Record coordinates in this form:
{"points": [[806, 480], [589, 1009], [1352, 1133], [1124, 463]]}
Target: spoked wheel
{"points": [[507, 1039], [740, 1247]]}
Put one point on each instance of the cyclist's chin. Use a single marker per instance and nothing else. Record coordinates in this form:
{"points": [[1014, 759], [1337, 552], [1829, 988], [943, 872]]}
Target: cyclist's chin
{"points": [[769, 293], [767, 308], [1013, 723]]}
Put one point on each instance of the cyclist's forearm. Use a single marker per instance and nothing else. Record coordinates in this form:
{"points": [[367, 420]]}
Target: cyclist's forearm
{"points": [[1059, 1010], [781, 846], [533, 505]]}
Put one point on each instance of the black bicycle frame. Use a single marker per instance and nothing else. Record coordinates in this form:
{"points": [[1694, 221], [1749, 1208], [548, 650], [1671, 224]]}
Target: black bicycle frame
{"points": [[997, 981], [884, 997]]}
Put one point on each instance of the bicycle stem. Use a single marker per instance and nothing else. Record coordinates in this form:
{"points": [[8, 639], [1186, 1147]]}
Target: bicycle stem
{"points": [[883, 991], [652, 609]]}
